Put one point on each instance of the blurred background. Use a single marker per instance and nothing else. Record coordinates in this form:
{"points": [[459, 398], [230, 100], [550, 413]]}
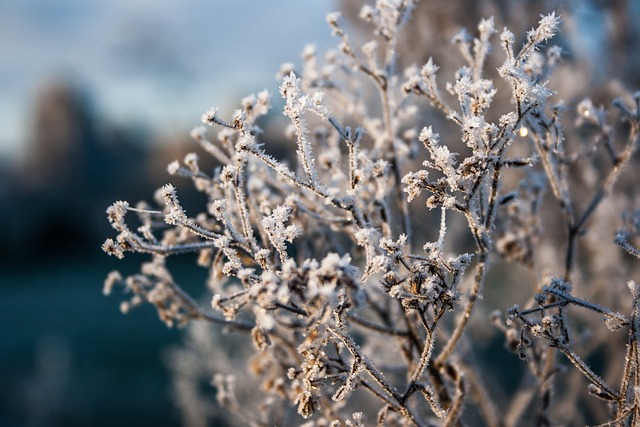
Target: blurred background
{"points": [[96, 98]]}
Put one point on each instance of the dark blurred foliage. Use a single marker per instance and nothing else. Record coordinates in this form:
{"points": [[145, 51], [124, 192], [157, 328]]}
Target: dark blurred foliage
{"points": [[73, 164], [69, 357]]}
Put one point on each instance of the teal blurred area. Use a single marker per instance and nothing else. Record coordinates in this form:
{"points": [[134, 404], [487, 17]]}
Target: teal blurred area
{"points": [[69, 358], [96, 98]]}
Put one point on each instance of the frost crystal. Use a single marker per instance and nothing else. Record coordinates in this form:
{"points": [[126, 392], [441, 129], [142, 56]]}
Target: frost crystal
{"points": [[548, 27]]}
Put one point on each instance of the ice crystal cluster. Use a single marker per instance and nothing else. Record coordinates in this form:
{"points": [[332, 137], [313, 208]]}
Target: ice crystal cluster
{"points": [[364, 279]]}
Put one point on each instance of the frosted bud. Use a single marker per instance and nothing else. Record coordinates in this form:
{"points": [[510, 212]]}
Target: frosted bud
{"points": [[589, 114], [227, 175], [173, 167], [191, 161], [116, 213], [614, 321], [210, 116], [225, 135], [168, 194], [428, 137], [198, 132], [111, 280], [367, 12], [238, 119], [285, 69], [308, 52], [217, 208], [265, 320], [260, 338], [290, 87], [548, 27], [248, 102], [370, 47], [333, 19], [429, 69], [487, 26], [125, 307], [507, 37], [396, 291], [508, 120]]}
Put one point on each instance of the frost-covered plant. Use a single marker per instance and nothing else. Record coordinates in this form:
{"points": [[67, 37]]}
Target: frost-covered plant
{"points": [[358, 266]]}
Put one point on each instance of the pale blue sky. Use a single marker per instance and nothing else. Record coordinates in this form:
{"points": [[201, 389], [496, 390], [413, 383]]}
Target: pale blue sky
{"points": [[158, 64]]}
